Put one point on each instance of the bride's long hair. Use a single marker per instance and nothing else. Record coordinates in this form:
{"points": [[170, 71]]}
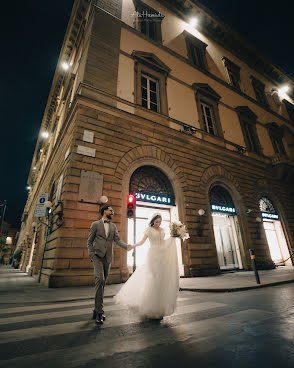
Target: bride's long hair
{"points": [[154, 218]]}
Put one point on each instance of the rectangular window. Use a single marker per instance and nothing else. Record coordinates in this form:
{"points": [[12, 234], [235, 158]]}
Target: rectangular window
{"points": [[259, 91], [234, 80], [150, 93], [148, 28], [208, 118], [251, 140], [278, 145], [197, 57], [260, 96]]}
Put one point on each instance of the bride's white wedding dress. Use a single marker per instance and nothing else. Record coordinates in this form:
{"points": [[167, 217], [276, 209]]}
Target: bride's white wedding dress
{"points": [[153, 288]]}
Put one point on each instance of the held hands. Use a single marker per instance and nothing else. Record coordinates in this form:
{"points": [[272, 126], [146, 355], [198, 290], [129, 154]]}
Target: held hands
{"points": [[130, 247]]}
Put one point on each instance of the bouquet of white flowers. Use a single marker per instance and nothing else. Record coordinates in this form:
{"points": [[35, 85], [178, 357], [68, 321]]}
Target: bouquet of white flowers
{"points": [[178, 230]]}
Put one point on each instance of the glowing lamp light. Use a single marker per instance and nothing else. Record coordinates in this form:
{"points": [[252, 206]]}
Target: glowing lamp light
{"points": [[8, 240], [65, 65], [283, 91], [45, 134], [201, 212], [28, 187], [193, 22]]}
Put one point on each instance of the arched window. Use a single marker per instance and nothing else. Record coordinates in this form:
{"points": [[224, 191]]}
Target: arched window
{"points": [[151, 180], [219, 195], [265, 205]]}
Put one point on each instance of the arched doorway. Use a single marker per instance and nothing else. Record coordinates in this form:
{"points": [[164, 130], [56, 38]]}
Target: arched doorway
{"points": [[226, 229], [274, 232], [154, 194]]}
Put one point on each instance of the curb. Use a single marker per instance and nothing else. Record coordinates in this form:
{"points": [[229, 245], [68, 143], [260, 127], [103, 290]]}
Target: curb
{"points": [[244, 288]]}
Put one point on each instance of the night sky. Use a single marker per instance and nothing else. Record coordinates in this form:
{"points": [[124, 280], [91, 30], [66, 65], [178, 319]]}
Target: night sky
{"points": [[31, 37]]}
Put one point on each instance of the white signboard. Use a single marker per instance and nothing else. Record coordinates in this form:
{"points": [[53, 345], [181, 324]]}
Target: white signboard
{"points": [[86, 151], [90, 186], [40, 209], [88, 136]]}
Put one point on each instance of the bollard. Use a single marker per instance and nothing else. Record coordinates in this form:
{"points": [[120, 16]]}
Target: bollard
{"points": [[252, 256]]}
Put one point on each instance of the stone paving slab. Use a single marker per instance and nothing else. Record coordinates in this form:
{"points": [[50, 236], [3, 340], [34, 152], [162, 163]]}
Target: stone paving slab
{"points": [[18, 287]]}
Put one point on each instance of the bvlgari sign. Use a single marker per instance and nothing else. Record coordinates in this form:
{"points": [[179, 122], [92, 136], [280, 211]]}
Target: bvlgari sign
{"points": [[218, 208], [268, 215], [154, 198]]}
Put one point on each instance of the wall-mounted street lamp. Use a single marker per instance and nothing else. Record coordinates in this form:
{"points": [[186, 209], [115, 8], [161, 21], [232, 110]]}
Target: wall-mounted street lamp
{"points": [[65, 65], [45, 134], [103, 200], [193, 22], [199, 221]]}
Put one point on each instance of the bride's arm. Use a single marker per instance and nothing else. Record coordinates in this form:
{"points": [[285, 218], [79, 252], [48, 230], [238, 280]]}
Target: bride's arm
{"points": [[141, 242]]}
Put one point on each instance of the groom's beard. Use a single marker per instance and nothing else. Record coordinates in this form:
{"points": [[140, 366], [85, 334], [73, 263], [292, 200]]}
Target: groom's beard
{"points": [[109, 217]]}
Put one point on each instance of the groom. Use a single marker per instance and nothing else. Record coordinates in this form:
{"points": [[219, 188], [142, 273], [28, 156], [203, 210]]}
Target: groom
{"points": [[102, 234]]}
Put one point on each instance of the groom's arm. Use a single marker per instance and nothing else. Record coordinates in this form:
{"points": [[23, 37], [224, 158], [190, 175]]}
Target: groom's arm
{"points": [[91, 237], [118, 240]]}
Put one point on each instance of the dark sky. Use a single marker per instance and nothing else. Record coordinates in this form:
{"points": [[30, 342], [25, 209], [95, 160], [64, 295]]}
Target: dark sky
{"points": [[31, 37]]}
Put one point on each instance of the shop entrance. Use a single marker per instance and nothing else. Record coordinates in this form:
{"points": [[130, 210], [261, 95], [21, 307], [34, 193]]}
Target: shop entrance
{"points": [[227, 235], [154, 194], [274, 233], [226, 229]]}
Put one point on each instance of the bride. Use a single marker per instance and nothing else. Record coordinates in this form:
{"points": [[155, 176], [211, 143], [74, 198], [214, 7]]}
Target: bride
{"points": [[153, 288]]}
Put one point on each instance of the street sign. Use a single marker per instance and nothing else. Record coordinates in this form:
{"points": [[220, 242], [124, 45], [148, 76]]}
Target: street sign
{"points": [[40, 210]]}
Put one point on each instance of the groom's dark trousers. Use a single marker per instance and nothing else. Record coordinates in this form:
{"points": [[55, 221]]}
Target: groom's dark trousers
{"points": [[101, 269]]}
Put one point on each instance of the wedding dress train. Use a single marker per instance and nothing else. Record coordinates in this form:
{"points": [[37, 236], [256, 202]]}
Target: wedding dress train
{"points": [[153, 288]]}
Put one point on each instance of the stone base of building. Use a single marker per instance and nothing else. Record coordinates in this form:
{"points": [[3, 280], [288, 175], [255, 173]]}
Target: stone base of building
{"points": [[58, 279], [264, 265], [201, 270]]}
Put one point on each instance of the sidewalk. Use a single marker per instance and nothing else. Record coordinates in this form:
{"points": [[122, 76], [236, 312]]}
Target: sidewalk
{"points": [[18, 287]]}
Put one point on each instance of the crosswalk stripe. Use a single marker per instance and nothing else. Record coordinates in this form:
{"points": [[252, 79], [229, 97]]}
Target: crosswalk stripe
{"points": [[192, 332], [56, 305], [73, 327], [33, 308], [52, 315]]}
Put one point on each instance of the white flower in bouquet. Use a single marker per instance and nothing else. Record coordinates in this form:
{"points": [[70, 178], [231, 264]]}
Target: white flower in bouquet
{"points": [[178, 230]]}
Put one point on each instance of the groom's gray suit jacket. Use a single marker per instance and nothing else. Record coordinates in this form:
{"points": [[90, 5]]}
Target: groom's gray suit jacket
{"points": [[99, 244]]}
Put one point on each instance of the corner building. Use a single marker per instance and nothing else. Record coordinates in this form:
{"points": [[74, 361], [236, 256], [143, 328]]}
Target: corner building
{"points": [[190, 118]]}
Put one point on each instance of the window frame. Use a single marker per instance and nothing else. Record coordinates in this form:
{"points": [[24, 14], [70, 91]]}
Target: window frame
{"points": [[248, 119], [148, 64], [149, 79], [276, 135], [204, 94], [259, 90], [205, 106], [141, 8], [194, 43], [290, 109], [233, 70]]}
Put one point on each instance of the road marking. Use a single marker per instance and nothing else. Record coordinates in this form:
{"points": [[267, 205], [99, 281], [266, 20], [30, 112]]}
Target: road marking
{"points": [[73, 327], [192, 332]]}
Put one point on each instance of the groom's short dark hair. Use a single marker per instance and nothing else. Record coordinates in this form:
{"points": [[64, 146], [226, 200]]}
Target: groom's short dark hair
{"points": [[104, 208]]}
